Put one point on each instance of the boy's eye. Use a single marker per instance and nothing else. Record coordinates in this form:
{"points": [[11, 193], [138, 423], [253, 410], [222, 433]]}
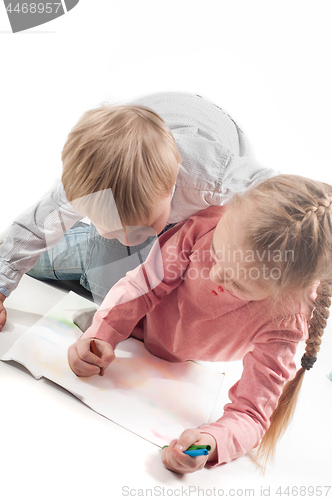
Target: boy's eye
{"points": [[234, 285]]}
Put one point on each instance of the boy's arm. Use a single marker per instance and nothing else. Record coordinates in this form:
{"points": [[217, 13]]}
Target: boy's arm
{"points": [[3, 312], [33, 232]]}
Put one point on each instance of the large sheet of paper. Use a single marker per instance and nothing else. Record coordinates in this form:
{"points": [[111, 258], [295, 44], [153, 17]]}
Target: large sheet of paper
{"points": [[149, 396]]}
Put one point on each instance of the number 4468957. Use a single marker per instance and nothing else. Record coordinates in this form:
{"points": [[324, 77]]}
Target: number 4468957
{"points": [[34, 8], [300, 491]]}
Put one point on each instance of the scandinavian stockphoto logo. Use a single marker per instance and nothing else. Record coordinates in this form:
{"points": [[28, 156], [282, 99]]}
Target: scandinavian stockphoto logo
{"points": [[24, 15]]}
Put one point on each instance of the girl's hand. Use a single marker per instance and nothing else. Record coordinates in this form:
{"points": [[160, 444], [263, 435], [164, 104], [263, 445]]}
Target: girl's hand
{"points": [[175, 460], [84, 363]]}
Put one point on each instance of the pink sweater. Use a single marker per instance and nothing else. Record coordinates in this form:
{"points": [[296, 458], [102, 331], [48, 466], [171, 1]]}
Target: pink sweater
{"points": [[184, 316]]}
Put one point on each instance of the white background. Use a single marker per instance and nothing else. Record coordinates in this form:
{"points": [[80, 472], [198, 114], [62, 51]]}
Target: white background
{"points": [[266, 63]]}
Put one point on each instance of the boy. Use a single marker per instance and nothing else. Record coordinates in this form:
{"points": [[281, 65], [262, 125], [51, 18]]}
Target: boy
{"points": [[146, 171]]}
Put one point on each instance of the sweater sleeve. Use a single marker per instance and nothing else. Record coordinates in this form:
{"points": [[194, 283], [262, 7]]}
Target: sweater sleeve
{"points": [[143, 288], [255, 396], [38, 229]]}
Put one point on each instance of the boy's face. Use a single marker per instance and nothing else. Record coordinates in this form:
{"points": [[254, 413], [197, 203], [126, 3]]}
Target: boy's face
{"points": [[135, 235], [229, 251]]}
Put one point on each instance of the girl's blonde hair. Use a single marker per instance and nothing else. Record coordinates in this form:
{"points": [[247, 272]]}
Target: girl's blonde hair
{"points": [[127, 149], [292, 215]]}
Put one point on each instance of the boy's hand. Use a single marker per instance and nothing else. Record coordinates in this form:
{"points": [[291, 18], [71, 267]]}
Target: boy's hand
{"points": [[84, 363], [3, 312], [175, 460]]}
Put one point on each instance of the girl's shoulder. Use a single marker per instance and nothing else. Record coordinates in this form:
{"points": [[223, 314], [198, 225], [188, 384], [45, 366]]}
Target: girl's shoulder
{"points": [[193, 230], [207, 219], [290, 317], [202, 223]]}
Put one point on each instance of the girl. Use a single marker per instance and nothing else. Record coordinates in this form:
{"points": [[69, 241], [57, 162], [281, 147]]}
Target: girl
{"points": [[247, 281]]}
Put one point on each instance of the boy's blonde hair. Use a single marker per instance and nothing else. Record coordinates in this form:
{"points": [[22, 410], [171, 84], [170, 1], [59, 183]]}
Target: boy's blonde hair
{"points": [[292, 213], [127, 149]]}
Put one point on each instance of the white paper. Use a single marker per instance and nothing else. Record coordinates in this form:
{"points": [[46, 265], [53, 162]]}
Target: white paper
{"points": [[151, 397]]}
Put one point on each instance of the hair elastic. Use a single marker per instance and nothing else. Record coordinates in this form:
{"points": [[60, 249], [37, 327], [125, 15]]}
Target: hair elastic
{"points": [[307, 363]]}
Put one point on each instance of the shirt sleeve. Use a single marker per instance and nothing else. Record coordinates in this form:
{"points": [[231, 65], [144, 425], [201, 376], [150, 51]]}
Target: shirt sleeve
{"points": [[32, 233], [143, 288], [255, 396]]}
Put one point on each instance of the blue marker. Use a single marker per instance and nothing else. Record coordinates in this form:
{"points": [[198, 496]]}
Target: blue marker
{"points": [[196, 453], [196, 450], [330, 375]]}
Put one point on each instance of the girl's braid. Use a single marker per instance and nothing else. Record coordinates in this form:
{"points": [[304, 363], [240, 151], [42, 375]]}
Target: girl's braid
{"points": [[318, 321], [317, 324]]}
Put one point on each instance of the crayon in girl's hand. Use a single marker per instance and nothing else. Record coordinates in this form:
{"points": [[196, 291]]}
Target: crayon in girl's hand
{"points": [[196, 450], [196, 453], [199, 447], [95, 351]]}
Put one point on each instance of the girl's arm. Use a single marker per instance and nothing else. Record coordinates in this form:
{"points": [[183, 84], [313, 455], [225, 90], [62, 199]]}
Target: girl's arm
{"points": [[255, 396], [253, 400], [133, 296]]}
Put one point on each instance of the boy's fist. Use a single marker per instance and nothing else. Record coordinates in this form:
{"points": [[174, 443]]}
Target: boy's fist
{"points": [[3, 312]]}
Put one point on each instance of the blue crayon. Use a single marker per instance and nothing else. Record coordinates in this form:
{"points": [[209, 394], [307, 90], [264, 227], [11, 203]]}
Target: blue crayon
{"points": [[196, 450], [196, 453]]}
